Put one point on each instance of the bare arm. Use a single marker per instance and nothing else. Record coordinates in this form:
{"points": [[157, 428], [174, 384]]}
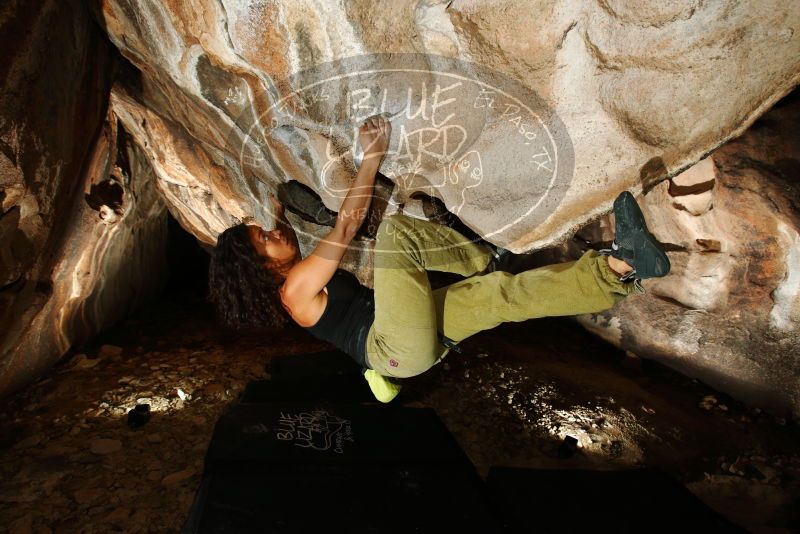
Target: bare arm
{"points": [[309, 276]]}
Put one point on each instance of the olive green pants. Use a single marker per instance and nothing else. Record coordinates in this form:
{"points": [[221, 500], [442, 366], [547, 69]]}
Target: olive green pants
{"points": [[403, 340]]}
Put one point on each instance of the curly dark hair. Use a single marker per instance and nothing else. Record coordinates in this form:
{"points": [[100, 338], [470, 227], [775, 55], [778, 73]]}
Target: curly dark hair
{"points": [[244, 291]]}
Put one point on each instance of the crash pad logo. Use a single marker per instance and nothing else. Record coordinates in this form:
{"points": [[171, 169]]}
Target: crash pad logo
{"points": [[318, 430], [479, 140]]}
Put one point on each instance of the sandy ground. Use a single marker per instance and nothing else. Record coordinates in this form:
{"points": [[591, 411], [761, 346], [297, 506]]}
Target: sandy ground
{"points": [[69, 462]]}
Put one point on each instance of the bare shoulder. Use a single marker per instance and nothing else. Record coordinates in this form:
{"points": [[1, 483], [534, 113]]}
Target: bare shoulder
{"points": [[303, 310]]}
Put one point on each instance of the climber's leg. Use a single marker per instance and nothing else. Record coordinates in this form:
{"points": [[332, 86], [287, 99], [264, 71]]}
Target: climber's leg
{"points": [[587, 285], [403, 341], [408, 243]]}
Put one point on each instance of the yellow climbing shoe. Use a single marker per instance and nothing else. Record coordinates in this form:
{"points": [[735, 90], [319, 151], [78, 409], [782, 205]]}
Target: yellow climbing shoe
{"points": [[382, 387]]}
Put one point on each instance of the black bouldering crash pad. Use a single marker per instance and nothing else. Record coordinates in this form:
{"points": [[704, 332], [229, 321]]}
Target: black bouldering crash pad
{"points": [[310, 433], [317, 466]]}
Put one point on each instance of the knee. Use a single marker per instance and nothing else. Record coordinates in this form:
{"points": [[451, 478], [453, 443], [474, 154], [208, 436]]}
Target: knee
{"points": [[408, 368], [405, 364]]}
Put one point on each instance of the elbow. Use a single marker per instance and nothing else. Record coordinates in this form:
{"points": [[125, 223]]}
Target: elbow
{"points": [[347, 229], [350, 230], [350, 225]]}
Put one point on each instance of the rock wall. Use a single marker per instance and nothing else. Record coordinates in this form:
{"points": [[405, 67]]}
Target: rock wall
{"points": [[82, 231], [729, 312], [642, 92]]}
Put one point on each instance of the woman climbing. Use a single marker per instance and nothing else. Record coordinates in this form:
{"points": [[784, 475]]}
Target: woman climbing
{"points": [[403, 327]]}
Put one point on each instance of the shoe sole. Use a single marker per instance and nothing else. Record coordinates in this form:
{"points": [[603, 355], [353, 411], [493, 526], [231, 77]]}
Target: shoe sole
{"points": [[632, 235], [627, 215], [653, 261]]}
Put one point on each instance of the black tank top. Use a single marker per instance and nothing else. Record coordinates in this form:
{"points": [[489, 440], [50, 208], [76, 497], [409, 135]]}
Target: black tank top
{"points": [[348, 315]]}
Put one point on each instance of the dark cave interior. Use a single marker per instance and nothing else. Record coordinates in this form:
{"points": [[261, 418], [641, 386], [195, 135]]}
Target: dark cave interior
{"points": [[162, 420], [522, 402]]}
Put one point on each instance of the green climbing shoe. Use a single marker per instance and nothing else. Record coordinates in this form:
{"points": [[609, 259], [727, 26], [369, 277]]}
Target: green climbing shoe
{"points": [[382, 387]]}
